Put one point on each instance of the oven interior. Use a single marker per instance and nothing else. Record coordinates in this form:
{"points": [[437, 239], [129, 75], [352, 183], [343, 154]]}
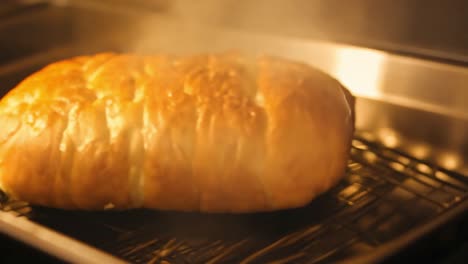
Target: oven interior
{"points": [[406, 178]]}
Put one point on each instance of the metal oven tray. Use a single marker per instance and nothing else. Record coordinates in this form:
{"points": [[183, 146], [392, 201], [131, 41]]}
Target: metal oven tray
{"points": [[389, 198]]}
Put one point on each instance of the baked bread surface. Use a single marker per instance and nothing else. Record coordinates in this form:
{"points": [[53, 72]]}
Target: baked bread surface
{"points": [[209, 132]]}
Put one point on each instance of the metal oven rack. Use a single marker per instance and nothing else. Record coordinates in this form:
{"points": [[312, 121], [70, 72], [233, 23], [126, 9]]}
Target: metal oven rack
{"points": [[384, 195]]}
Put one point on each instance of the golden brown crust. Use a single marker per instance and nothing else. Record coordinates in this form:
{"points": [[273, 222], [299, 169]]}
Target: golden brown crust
{"points": [[215, 133]]}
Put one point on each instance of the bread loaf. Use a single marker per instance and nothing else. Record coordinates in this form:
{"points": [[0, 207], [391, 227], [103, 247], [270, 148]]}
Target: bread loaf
{"points": [[209, 132]]}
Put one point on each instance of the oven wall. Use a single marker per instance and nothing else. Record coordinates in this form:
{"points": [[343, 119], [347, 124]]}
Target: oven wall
{"points": [[430, 27]]}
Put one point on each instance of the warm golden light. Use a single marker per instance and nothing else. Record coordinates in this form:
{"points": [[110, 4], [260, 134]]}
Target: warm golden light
{"points": [[389, 137], [397, 166], [423, 168], [420, 151], [359, 70], [370, 157], [359, 145], [404, 160], [449, 161]]}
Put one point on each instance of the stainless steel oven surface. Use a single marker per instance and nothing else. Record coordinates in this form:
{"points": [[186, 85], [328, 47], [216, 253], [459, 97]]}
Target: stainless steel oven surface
{"points": [[406, 180]]}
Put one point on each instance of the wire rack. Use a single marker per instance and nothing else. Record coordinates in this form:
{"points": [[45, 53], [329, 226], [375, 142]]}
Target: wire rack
{"points": [[384, 194]]}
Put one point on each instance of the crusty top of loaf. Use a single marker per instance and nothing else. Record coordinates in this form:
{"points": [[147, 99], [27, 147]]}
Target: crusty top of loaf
{"points": [[212, 132]]}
